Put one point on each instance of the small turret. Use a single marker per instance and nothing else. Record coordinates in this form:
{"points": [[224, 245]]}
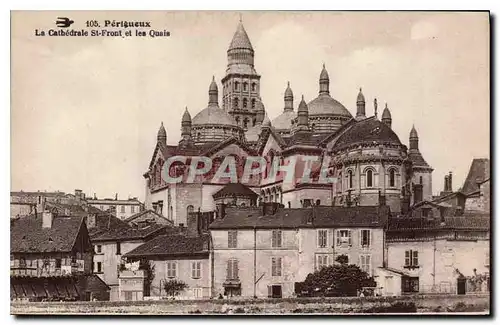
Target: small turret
{"points": [[386, 116], [186, 126], [303, 114], [360, 105], [288, 98], [162, 135], [413, 139], [213, 93], [324, 82]]}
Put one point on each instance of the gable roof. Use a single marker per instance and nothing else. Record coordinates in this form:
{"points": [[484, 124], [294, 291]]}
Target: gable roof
{"points": [[235, 189], [129, 233], [478, 172], [173, 244], [320, 216], [467, 221], [28, 236], [142, 213], [103, 224]]}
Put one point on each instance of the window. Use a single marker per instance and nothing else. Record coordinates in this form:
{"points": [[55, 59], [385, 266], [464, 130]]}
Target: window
{"points": [[369, 178], [245, 103], [276, 238], [321, 261], [426, 212], [132, 209], [98, 249], [99, 267], [171, 269], [118, 248], [22, 262], [245, 123], [236, 102], [123, 208], [128, 295], [410, 284], [236, 85], [254, 87], [196, 270], [487, 259], [189, 209], [420, 180], [198, 292], [343, 238], [276, 266], [245, 86], [102, 207], [411, 258], [58, 263], [253, 105], [349, 179], [322, 237], [232, 239], [365, 263], [392, 178], [365, 238], [232, 269]]}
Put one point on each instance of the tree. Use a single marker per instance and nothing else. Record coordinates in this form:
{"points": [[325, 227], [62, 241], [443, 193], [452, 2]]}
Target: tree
{"points": [[174, 287], [339, 280]]}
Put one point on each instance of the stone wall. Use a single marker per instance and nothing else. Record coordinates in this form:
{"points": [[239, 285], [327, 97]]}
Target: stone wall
{"points": [[424, 303]]}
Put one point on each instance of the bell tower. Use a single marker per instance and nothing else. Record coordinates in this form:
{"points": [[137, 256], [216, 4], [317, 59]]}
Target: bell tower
{"points": [[241, 85]]}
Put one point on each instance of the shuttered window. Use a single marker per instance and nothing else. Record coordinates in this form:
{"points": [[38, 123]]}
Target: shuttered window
{"points": [[365, 263], [344, 238], [232, 269], [276, 266], [276, 238], [171, 269], [322, 238], [232, 239], [196, 270]]}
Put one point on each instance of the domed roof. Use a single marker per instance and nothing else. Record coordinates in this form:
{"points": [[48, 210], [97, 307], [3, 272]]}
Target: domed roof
{"points": [[213, 115], [288, 91], [324, 104], [162, 133], [186, 117], [386, 114], [284, 120], [240, 39], [361, 97], [303, 107], [413, 132], [368, 131]]}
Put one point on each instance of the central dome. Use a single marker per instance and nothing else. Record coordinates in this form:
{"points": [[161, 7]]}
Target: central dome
{"points": [[369, 130], [284, 120], [213, 115], [324, 104]]}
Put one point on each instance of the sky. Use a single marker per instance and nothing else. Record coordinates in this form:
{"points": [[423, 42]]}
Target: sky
{"points": [[85, 111]]}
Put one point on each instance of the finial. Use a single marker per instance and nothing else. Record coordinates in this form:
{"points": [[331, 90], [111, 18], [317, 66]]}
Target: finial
{"points": [[385, 104], [302, 97], [161, 123], [241, 19], [213, 78], [288, 83], [360, 89], [323, 65], [186, 108]]}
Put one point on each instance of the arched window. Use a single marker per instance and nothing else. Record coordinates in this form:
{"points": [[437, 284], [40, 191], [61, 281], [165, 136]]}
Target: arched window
{"points": [[369, 178], [190, 209], [339, 180], [349, 179], [392, 178], [254, 86], [236, 102], [245, 122], [245, 86], [237, 119], [421, 180], [253, 103], [236, 85], [245, 103]]}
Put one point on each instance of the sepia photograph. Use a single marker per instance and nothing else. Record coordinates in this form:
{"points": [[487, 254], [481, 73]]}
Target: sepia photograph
{"points": [[250, 162]]}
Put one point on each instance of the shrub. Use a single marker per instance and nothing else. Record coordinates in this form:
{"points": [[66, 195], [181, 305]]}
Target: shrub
{"points": [[174, 287]]}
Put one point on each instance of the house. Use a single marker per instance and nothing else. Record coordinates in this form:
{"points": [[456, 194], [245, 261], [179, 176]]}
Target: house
{"points": [[264, 251], [51, 258], [438, 254], [121, 209], [181, 254], [111, 243]]}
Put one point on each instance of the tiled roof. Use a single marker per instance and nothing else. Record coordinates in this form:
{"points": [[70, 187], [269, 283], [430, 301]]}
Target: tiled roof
{"points": [[173, 245], [478, 172], [104, 223], [129, 232], [28, 236], [23, 193], [417, 159], [237, 189], [140, 214], [367, 130], [321, 216], [468, 221], [240, 39]]}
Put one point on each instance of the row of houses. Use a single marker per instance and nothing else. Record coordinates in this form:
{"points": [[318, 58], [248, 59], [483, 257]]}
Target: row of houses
{"points": [[81, 252]]}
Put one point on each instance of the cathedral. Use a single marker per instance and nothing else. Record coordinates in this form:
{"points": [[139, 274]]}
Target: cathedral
{"points": [[367, 159]]}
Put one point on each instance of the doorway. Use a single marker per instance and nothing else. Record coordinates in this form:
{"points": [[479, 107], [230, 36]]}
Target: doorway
{"points": [[276, 291], [461, 286]]}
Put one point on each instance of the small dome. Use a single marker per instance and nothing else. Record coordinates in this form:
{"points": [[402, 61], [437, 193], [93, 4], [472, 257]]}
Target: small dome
{"points": [[368, 131], [213, 115], [386, 114], [162, 133], [413, 132], [288, 92], [284, 120], [324, 74], [361, 97], [324, 104], [303, 107], [240, 39], [186, 117]]}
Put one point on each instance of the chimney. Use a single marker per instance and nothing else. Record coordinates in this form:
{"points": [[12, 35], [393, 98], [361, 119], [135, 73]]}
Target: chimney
{"points": [[95, 197], [221, 211], [116, 196], [46, 219], [78, 195], [193, 223], [381, 198], [91, 221], [450, 183], [445, 183]]}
